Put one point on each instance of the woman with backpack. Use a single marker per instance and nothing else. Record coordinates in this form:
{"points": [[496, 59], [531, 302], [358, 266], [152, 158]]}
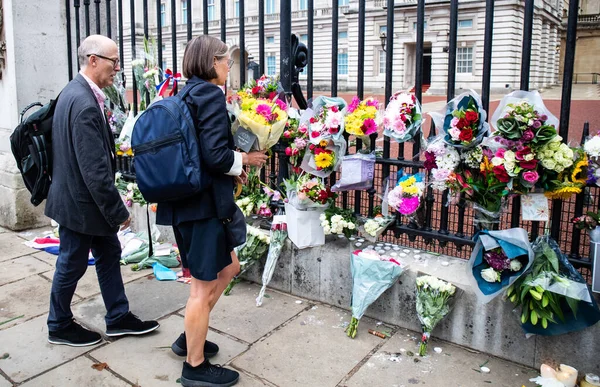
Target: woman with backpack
{"points": [[208, 225]]}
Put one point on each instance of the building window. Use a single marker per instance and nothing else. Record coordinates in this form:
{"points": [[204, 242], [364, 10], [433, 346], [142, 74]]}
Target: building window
{"points": [[343, 2], [381, 62], [211, 10], [342, 63], [304, 39], [270, 40], [302, 5], [236, 8], [164, 61], [415, 26], [468, 23], [271, 65], [382, 30], [184, 11], [270, 7], [464, 60], [343, 35], [163, 14]]}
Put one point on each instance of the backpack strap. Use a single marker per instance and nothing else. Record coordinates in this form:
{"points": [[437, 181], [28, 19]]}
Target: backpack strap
{"points": [[150, 242], [184, 93]]}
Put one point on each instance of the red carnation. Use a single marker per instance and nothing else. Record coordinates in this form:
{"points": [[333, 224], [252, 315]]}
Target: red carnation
{"points": [[471, 116], [466, 135], [255, 90]]}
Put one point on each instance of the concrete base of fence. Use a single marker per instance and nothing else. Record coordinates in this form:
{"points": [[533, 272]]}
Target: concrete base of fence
{"points": [[323, 274]]}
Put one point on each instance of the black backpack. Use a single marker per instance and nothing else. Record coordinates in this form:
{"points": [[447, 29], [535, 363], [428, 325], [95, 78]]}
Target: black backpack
{"points": [[31, 144]]}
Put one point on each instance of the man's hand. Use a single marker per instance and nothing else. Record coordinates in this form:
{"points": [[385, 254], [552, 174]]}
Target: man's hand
{"points": [[125, 224], [255, 158], [242, 178]]}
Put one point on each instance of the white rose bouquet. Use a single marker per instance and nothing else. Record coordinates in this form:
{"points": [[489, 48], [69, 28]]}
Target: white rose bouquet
{"points": [[338, 221]]}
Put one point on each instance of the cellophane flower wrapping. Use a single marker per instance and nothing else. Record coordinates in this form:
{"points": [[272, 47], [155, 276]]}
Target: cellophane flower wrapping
{"points": [[146, 73], [295, 137], [255, 248], [487, 218], [592, 150], [357, 172], [323, 158], [363, 118], [498, 259], [403, 117], [372, 274], [463, 121], [325, 119], [434, 302], [407, 196], [553, 296], [372, 228], [279, 234], [265, 118]]}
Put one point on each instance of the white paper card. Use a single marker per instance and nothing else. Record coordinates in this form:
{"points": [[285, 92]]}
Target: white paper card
{"points": [[534, 207]]}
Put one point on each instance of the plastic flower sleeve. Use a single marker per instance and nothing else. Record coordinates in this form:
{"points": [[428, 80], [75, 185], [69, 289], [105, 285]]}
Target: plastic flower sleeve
{"points": [[278, 237], [553, 296], [532, 97], [514, 244], [357, 173], [317, 112], [403, 117], [486, 219], [371, 276], [448, 122], [309, 161]]}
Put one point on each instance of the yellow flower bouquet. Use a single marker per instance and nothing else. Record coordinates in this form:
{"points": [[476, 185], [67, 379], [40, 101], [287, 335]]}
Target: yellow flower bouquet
{"points": [[362, 119]]}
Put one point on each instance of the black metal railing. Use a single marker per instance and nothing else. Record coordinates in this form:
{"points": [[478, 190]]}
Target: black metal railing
{"points": [[444, 222]]}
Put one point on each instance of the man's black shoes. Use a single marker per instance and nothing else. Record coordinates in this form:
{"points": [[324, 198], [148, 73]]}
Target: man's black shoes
{"points": [[131, 325], [74, 335]]}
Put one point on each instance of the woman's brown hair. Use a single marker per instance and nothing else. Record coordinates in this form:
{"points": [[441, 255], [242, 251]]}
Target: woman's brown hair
{"points": [[199, 55]]}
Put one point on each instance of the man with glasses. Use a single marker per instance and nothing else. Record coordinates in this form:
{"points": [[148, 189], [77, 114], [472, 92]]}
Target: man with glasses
{"points": [[84, 201]]}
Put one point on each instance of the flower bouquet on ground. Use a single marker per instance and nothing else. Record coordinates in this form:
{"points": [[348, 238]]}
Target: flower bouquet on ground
{"points": [[553, 296], [130, 192], [338, 221], [362, 118], [463, 121], [434, 302], [256, 246], [407, 197], [278, 236], [497, 260], [372, 274], [402, 118], [372, 228], [441, 160], [323, 158], [325, 119], [357, 172]]}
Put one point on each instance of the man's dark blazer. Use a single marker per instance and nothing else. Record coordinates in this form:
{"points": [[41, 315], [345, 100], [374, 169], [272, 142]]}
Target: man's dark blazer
{"points": [[83, 196], [207, 104]]}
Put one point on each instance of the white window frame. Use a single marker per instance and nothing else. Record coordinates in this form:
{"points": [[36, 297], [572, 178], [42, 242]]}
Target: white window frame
{"points": [[163, 14], [270, 7], [271, 65], [465, 56], [211, 10], [270, 39], [302, 5], [415, 25], [342, 32], [236, 8], [466, 20], [382, 61], [184, 11], [343, 2], [340, 64]]}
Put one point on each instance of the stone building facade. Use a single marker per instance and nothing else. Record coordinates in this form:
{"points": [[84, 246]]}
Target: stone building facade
{"points": [[508, 32]]}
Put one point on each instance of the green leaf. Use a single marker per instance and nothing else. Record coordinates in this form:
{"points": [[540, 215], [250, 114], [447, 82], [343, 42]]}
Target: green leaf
{"points": [[573, 304]]}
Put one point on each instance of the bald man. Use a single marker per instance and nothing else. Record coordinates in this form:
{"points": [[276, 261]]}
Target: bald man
{"points": [[84, 201]]}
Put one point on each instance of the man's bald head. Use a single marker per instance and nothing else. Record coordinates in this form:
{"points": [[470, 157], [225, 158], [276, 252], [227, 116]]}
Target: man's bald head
{"points": [[94, 44]]}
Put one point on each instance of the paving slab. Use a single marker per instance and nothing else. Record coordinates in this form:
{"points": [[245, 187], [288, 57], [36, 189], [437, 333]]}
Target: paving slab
{"points": [[35, 232], [88, 285], [311, 350], [3, 230], [29, 350], [393, 365], [238, 315], [4, 382], [149, 361], [11, 246], [19, 268], [78, 372], [28, 297], [148, 299], [46, 257]]}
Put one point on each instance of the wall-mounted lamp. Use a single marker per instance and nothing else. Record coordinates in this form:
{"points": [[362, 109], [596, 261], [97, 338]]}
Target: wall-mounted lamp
{"points": [[383, 38]]}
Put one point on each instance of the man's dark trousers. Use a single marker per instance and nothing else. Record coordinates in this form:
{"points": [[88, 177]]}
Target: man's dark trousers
{"points": [[71, 265]]}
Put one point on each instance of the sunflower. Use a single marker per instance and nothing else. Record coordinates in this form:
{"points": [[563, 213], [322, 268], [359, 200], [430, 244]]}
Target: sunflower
{"points": [[323, 160], [579, 175], [564, 192]]}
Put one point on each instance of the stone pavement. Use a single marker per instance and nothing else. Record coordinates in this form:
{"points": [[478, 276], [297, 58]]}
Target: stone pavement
{"points": [[286, 342]]}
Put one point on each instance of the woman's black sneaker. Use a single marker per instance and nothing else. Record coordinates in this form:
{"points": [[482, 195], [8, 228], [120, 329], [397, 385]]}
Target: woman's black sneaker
{"points": [[179, 347], [74, 335], [208, 375], [131, 325]]}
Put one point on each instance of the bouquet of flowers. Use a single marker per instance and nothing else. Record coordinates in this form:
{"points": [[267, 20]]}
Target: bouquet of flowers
{"points": [[325, 119], [592, 150], [116, 104], [402, 117], [323, 158], [497, 260], [256, 246], [130, 191], [407, 196], [296, 138], [588, 221], [338, 221], [362, 118], [313, 192], [572, 180], [264, 87], [372, 228], [146, 73], [441, 160], [278, 236], [553, 296], [255, 196], [433, 304], [265, 118], [372, 274], [463, 121]]}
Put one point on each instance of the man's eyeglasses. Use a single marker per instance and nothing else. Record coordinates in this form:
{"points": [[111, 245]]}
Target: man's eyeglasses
{"points": [[115, 62]]}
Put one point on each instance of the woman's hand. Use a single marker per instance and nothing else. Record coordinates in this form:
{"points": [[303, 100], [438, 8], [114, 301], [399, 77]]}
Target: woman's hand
{"points": [[255, 158]]}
